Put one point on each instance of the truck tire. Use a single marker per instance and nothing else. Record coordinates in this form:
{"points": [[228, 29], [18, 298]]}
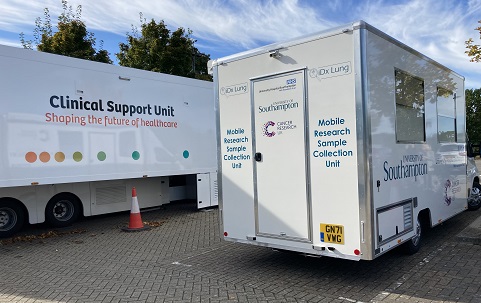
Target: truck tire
{"points": [[474, 201], [412, 246], [12, 218], [62, 210]]}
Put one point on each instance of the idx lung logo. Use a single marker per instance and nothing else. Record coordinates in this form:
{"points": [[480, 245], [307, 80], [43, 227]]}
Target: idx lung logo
{"points": [[236, 89], [265, 129]]}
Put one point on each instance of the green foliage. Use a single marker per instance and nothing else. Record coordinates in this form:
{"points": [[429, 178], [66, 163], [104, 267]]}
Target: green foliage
{"points": [[473, 115], [72, 38], [158, 49], [474, 50]]}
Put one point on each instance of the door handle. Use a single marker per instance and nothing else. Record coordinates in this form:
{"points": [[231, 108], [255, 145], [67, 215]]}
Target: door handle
{"points": [[258, 157]]}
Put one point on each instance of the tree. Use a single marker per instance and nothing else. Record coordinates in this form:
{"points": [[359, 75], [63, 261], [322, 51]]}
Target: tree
{"points": [[72, 38], [474, 50], [473, 115], [158, 49]]}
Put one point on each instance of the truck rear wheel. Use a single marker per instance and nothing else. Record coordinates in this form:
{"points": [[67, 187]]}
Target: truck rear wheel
{"points": [[12, 218], [474, 201], [412, 246], [62, 210]]}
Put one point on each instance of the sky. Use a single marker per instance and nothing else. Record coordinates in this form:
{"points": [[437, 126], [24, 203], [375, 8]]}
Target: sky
{"points": [[436, 28]]}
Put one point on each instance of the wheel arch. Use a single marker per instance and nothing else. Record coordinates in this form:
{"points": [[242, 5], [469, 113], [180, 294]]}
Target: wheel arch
{"points": [[12, 216], [70, 195], [20, 203], [424, 216], [71, 213]]}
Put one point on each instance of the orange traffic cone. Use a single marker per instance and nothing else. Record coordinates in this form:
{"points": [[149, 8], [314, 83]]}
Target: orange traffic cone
{"points": [[135, 223]]}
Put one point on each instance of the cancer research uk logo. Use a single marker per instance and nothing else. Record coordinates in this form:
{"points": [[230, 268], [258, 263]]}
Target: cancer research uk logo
{"points": [[451, 188], [265, 129], [447, 192], [271, 128]]}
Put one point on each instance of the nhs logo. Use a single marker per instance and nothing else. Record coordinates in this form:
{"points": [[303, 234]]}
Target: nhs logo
{"points": [[291, 81]]}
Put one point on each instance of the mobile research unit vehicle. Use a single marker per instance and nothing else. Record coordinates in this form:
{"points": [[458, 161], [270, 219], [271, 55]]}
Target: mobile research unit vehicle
{"points": [[77, 135], [342, 144]]}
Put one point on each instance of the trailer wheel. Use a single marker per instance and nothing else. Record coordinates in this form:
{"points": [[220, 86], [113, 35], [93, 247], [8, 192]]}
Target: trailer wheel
{"points": [[62, 210], [474, 201], [12, 218], [412, 246]]}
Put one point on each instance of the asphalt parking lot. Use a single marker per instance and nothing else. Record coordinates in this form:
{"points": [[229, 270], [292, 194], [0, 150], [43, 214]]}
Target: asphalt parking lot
{"points": [[183, 259]]}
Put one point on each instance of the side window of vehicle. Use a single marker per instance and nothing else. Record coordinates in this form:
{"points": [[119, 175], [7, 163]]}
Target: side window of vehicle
{"points": [[446, 108], [410, 117]]}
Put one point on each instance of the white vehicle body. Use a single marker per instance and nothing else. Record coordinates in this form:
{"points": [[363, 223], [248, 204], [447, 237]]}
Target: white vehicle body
{"points": [[339, 144], [87, 132]]}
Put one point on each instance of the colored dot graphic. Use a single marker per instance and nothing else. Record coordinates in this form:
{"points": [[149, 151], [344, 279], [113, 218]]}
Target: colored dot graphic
{"points": [[31, 157], [44, 157], [77, 156], [59, 157], [101, 156]]}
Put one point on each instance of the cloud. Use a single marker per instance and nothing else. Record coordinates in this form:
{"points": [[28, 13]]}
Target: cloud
{"points": [[243, 22], [8, 42], [437, 28]]}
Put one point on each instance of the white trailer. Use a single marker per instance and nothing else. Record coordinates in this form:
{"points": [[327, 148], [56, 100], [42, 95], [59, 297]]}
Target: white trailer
{"points": [[77, 135], [343, 143]]}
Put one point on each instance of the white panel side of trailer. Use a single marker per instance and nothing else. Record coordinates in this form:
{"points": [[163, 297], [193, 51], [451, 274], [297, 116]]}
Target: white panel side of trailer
{"points": [[333, 151], [78, 135], [153, 124], [412, 175]]}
